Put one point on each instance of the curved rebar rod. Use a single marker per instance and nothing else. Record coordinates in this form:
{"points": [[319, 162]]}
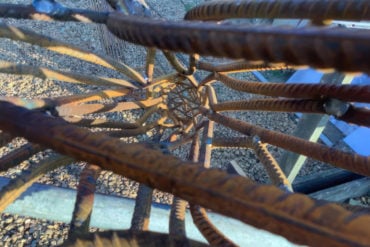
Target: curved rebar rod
{"points": [[275, 105], [15, 157], [84, 199], [25, 35], [240, 66], [124, 238], [341, 49], [295, 9], [294, 216], [203, 153], [350, 93], [208, 230], [273, 169], [352, 114], [16, 187]]}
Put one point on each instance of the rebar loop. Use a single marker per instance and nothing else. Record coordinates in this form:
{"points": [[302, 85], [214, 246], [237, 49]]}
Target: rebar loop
{"points": [[301, 9]]}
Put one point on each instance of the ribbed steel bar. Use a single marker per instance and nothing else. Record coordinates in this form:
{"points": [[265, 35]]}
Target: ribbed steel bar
{"points": [[65, 14], [18, 155], [232, 142], [174, 61], [272, 167], [350, 93], [143, 202], [240, 66], [84, 199], [202, 153], [177, 221], [176, 226], [296, 9], [319, 47], [356, 163], [276, 105], [25, 35], [16, 187], [208, 230], [124, 238], [294, 216], [53, 74], [352, 114]]}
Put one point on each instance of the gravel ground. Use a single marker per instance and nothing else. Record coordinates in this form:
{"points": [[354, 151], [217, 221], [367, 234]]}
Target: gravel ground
{"points": [[24, 231]]}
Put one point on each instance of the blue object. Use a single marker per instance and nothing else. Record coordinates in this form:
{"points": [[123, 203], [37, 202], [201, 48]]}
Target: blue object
{"points": [[49, 7]]}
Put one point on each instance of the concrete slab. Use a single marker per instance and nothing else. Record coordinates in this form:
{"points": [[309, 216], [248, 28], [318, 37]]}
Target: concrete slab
{"points": [[111, 212]]}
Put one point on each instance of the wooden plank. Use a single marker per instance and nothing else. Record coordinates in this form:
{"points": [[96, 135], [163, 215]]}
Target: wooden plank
{"points": [[323, 180], [344, 191]]}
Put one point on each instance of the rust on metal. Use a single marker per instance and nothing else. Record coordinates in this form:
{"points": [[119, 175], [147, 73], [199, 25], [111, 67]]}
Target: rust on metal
{"points": [[294, 216], [295, 9], [319, 47], [84, 199]]}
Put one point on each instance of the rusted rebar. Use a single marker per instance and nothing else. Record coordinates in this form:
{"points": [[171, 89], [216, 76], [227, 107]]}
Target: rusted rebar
{"points": [[295, 9], [84, 200], [319, 47], [263, 206]]}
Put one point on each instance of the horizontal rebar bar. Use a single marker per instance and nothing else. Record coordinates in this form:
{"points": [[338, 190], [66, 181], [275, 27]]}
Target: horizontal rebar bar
{"points": [[295, 9], [319, 47]]}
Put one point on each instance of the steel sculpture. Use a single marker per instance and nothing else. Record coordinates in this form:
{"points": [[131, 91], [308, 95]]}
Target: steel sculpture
{"points": [[182, 109]]}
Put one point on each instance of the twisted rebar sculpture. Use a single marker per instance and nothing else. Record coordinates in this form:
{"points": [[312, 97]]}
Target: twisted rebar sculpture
{"points": [[182, 109]]}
